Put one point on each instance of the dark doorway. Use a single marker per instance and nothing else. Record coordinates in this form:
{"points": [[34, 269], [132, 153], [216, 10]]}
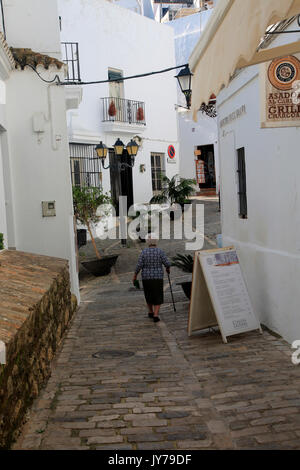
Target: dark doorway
{"points": [[206, 174], [120, 180]]}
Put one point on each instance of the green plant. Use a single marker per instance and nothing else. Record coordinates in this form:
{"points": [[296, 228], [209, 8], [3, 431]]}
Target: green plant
{"points": [[86, 202], [1, 241], [183, 262], [175, 190]]}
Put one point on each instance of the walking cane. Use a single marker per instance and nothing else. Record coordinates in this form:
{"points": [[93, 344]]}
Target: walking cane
{"points": [[171, 292]]}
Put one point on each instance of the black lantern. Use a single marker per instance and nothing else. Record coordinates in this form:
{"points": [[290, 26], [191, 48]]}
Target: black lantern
{"points": [[101, 150], [132, 148], [119, 147], [185, 82]]}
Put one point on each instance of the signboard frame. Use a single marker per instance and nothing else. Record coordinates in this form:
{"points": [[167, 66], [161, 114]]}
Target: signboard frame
{"points": [[204, 312], [277, 97]]}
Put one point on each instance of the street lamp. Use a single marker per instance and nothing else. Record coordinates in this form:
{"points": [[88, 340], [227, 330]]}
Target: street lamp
{"points": [[185, 82], [132, 149], [101, 151]]}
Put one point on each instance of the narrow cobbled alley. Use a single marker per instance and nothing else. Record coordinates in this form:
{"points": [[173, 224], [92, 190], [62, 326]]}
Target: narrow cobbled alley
{"points": [[122, 382]]}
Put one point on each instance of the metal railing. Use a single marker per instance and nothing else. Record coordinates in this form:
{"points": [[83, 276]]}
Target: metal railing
{"points": [[70, 54], [85, 166], [122, 110]]}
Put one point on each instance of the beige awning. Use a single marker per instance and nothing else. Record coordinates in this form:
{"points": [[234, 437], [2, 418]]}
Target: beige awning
{"points": [[231, 39]]}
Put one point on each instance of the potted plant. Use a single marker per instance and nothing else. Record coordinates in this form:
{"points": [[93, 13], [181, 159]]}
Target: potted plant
{"points": [[81, 237], [86, 202], [186, 264], [112, 111], [140, 114], [175, 191]]}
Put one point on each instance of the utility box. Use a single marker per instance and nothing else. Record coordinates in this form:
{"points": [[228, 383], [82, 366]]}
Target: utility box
{"points": [[48, 209]]}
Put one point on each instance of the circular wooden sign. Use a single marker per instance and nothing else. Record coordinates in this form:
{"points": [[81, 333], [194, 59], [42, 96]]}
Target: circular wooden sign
{"points": [[283, 72], [171, 151]]}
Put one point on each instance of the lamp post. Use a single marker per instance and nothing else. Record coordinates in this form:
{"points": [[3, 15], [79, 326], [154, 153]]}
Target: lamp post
{"points": [[185, 82], [132, 150]]}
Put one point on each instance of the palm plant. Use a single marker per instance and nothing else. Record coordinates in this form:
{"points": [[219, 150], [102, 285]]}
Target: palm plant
{"points": [[175, 190], [183, 262]]}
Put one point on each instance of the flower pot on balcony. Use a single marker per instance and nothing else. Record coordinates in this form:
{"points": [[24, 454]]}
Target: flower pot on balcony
{"points": [[140, 114], [112, 111], [100, 267]]}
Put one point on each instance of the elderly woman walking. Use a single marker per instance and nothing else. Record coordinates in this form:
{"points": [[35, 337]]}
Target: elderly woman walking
{"points": [[151, 263]]}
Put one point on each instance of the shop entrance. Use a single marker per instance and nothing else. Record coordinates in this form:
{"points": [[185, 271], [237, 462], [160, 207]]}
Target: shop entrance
{"points": [[205, 168]]}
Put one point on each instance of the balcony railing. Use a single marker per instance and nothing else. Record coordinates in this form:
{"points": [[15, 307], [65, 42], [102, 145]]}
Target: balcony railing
{"points": [[70, 55], [122, 110]]}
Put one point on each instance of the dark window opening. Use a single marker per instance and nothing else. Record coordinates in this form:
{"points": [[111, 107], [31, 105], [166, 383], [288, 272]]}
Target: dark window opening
{"points": [[157, 170], [242, 186], [85, 166]]}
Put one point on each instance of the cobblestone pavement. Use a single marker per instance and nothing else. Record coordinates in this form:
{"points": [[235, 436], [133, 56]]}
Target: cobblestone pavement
{"points": [[123, 382]]}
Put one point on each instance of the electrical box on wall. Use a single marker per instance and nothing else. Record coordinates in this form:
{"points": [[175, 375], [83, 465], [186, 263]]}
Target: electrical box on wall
{"points": [[48, 209]]}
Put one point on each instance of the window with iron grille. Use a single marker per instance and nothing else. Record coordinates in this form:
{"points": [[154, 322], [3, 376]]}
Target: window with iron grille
{"points": [[70, 54], [157, 170], [242, 186], [85, 166]]}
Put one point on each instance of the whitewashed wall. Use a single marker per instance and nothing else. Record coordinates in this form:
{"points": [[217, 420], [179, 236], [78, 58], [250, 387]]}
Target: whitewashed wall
{"points": [[193, 134], [268, 241], [36, 166], [40, 167], [33, 24], [187, 32], [113, 37]]}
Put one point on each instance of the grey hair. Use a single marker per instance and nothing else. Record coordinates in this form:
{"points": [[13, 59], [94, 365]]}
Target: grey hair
{"points": [[152, 239]]}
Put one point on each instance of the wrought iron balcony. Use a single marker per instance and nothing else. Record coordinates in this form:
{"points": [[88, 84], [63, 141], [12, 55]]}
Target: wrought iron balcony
{"points": [[120, 110], [70, 55]]}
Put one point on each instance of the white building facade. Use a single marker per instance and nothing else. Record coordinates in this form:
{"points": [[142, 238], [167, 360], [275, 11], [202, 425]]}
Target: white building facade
{"points": [[36, 209], [198, 140], [114, 42], [265, 224]]}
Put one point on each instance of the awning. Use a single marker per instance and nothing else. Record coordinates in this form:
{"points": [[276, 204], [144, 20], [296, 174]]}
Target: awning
{"points": [[230, 41]]}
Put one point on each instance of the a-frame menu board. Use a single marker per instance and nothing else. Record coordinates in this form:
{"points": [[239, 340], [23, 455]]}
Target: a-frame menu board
{"points": [[219, 294]]}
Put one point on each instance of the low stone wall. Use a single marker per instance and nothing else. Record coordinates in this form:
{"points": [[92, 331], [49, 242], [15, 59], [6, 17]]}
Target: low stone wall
{"points": [[35, 308]]}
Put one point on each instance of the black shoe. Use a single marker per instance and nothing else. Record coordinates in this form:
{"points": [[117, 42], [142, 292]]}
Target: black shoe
{"points": [[156, 319], [150, 315]]}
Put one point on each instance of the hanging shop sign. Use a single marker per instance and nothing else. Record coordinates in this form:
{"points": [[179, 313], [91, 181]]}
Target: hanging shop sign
{"points": [[219, 294], [280, 92]]}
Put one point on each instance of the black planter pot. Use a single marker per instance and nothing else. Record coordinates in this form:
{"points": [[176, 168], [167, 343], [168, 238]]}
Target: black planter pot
{"points": [[187, 288], [100, 267], [81, 237]]}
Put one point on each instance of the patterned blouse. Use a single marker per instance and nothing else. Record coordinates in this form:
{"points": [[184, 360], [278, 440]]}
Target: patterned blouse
{"points": [[150, 262]]}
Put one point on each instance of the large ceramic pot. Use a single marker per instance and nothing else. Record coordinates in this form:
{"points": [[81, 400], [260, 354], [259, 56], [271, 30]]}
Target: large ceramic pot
{"points": [[81, 237], [187, 288], [100, 267]]}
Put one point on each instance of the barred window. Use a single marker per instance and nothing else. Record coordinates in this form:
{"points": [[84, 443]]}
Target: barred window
{"points": [[242, 186]]}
